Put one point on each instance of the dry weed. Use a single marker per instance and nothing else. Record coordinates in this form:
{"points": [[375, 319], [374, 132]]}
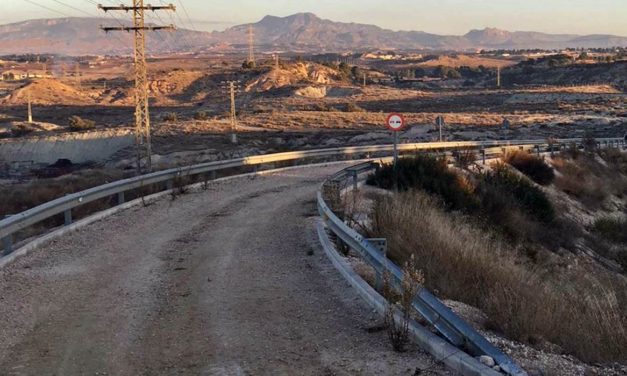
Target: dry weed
{"points": [[582, 313]]}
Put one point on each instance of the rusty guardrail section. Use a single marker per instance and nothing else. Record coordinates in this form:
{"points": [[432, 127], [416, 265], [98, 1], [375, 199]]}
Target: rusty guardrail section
{"points": [[448, 324], [64, 205]]}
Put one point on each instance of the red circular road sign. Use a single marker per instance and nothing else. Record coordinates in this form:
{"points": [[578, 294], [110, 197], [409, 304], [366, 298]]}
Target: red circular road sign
{"points": [[395, 122]]}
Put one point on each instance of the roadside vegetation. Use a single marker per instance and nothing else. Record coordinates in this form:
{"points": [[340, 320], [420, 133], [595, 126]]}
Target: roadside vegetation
{"points": [[78, 124], [495, 240]]}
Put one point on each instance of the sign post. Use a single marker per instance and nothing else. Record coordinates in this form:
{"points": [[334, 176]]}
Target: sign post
{"points": [[395, 123]]}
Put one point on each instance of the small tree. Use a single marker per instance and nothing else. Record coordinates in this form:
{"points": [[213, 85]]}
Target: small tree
{"points": [[398, 330], [344, 69]]}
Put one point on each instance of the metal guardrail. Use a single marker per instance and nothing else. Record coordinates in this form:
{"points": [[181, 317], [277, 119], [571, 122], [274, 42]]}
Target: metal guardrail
{"points": [[450, 326], [17, 222]]}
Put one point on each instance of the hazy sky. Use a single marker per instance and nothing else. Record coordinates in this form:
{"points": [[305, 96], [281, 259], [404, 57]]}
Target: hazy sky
{"points": [[436, 16]]}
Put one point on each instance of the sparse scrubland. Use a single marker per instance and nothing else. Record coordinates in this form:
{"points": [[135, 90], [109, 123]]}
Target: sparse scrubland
{"points": [[504, 244]]}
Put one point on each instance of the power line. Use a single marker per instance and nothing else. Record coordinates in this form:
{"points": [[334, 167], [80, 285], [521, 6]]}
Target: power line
{"points": [[47, 8], [187, 15], [117, 20], [184, 38], [73, 7], [171, 45]]}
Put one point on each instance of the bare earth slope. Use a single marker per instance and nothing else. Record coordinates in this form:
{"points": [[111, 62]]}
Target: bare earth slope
{"points": [[214, 283]]}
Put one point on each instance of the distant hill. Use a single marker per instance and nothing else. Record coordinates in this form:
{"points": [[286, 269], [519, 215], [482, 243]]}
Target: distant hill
{"points": [[303, 31], [82, 36]]}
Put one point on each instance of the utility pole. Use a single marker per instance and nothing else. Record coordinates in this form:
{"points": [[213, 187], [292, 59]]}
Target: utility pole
{"points": [[142, 115], [77, 72], [30, 109], [231, 88], [251, 46], [277, 67], [364, 79], [498, 76]]}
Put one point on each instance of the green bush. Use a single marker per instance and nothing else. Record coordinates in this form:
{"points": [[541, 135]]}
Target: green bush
{"points": [[501, 198], [532, 166], [79, 124], [429, 174], [527, 197], [170, 117]]}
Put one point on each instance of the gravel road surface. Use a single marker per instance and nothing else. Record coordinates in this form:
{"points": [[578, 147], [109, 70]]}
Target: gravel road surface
{"points": [[227, 281]]}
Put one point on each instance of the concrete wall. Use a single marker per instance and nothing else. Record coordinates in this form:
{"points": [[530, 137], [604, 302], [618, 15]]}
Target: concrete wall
{"points": [[97, 146]]}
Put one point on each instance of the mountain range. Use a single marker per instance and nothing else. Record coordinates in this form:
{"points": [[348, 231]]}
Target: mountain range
{"points": [[303, 32]]}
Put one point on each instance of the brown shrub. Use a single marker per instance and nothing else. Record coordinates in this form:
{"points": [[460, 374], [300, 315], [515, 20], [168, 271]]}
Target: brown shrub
{"points": [[588, 180], [465, 158], [78, 124], [352, 107], [580, 313]]}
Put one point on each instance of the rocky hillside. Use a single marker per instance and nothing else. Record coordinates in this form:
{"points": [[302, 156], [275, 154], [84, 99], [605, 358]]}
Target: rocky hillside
{"points": [[82, 36], [299, 32]]}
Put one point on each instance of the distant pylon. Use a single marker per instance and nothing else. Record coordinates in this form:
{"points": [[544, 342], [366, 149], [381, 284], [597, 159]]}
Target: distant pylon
{"points": [[251, 45]]}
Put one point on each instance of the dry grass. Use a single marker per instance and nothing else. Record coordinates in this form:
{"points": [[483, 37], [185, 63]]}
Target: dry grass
{"points": [[571, 308], [589, 180]]}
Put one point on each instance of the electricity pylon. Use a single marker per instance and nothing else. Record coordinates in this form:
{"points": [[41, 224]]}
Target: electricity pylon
{"points": [[251, 46], [142, 115]]}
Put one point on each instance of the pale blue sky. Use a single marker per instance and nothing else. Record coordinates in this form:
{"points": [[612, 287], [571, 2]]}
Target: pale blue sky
{"points": [[436, 16]]}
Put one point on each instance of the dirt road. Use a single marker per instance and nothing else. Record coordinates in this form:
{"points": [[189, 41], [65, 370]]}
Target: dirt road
{"points": [[228, 281]]}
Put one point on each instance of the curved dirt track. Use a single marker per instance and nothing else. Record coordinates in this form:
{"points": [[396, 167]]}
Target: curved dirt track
{"points": [[228, 281]]}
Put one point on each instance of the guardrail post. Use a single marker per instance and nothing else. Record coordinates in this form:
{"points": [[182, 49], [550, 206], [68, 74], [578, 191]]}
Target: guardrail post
{"points": [[7, 243], [169, 185], [537, 148], [381, 244], [120, 198], [213, 175], [67, 216], [355, 179], [483, 155]]}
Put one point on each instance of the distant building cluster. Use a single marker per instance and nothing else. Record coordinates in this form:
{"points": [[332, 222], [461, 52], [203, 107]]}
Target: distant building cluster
{"points": [[20, 74]]}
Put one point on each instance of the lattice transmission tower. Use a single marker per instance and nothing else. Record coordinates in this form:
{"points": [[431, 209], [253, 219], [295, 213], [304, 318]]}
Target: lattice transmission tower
{"points": [[251, 46], [142, 115]]}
